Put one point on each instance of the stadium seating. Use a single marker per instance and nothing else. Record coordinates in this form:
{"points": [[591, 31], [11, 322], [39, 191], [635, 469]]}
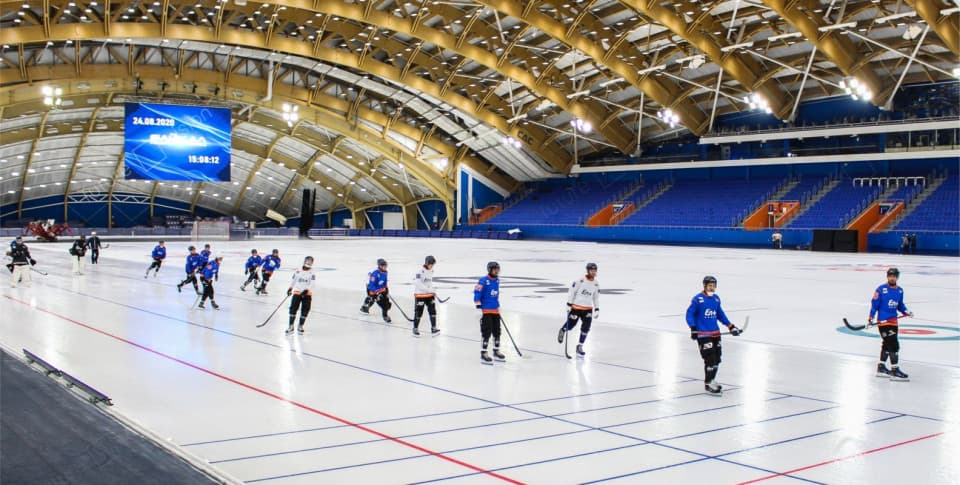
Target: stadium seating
{"points": [[939, 212], [553, 204], [704, 203], [837, 207]]}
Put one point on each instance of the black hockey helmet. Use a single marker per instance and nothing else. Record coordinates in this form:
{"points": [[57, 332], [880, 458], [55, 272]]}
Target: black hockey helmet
{"points": [[893, 272], [429, 260], [205, 246], [709, 279], [192, 248], [492, 265], [592, 266], [308, 262], [381, 262], [253, 251], [276, 251]]}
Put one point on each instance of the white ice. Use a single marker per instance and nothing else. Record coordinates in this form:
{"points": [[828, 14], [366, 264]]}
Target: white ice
{"points": [[357, 401]]}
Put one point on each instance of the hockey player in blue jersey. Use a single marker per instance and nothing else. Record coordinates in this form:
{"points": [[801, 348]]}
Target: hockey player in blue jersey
{"points": [[210, 273], [270, 264], [194, 263], [378, 291], [251, 269], [702, 316], [486, 297], [159, 254], [887, 301], [205, 255]]}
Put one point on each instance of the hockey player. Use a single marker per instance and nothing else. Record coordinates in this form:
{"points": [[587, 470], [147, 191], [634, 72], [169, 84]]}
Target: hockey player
{"points": [[425, 295], [583, 304], [251, 269], [194, 263], [210, 273], [486, 297], [78, 251], [159, 254], [94, 244], [20, 272], [887, 300], [377, 291], [301, 287], [702, 316], [270, 264], [205, 255]]}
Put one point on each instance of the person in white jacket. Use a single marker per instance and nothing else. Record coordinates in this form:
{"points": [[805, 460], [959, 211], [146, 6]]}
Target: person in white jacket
{"points": [[583, 304], [424, 294], [301, 288]]}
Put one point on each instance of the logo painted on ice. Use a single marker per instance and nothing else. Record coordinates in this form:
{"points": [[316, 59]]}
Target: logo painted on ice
{"points": [[914, 332]]}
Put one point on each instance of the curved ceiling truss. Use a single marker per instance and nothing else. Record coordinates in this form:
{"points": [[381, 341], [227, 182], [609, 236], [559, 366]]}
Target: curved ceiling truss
{"points": [[451, 79]]}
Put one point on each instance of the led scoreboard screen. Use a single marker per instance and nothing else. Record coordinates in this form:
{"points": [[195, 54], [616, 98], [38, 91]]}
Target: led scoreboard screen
{"points": [[176, 142]]}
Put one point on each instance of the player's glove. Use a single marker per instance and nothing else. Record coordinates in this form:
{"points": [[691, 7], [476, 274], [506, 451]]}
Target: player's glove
{"points": [[246, 271], [869, 321], [735, 331], [479, 307], [569, 305], [693, 334], [10, 267], [909, 314], [596, 313], [33, 262], [289, 291]]}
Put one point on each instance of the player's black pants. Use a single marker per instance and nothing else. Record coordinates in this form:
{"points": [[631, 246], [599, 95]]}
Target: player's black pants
{"points": [[191, 278], [266, 279], [155, 264], [890, 346], [586, 319], [381, 299], [710, 351], [430, 304], [94, 256], [207, 290], [253, 276], [302, 302], [490, 325]]}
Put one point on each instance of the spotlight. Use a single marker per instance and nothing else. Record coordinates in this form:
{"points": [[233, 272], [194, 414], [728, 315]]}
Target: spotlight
{"points": [[669, 117]]}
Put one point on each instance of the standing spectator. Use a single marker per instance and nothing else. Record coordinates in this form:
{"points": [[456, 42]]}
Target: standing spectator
{"points": [[94, 244], [913, 243], [904, 243], [777, 239]]}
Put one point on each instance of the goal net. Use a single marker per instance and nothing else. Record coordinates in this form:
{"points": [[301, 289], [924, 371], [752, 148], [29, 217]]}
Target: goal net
{"points": [[210, 230]]}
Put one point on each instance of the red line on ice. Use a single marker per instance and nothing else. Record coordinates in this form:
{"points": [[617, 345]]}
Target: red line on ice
{"points": [[279, 397], [835, 460]]}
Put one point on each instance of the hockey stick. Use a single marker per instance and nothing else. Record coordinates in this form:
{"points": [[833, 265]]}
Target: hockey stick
{"points": [[38, 271], [743, 329], [514, 342], [443, 300], [864, 327], [566, 338], [274, 312], [399, 308]]}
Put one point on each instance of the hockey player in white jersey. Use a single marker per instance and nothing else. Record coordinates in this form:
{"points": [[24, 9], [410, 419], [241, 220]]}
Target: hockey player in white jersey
{"points": [[301, 287], [583, 304], [425, 295]]}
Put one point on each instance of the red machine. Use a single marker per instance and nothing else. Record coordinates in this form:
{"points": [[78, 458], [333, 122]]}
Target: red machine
{"points": [[48, 230]]}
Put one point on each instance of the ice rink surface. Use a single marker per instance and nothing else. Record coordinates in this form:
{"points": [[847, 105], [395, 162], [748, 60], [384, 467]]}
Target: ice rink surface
{"points": [[357, 401]]}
